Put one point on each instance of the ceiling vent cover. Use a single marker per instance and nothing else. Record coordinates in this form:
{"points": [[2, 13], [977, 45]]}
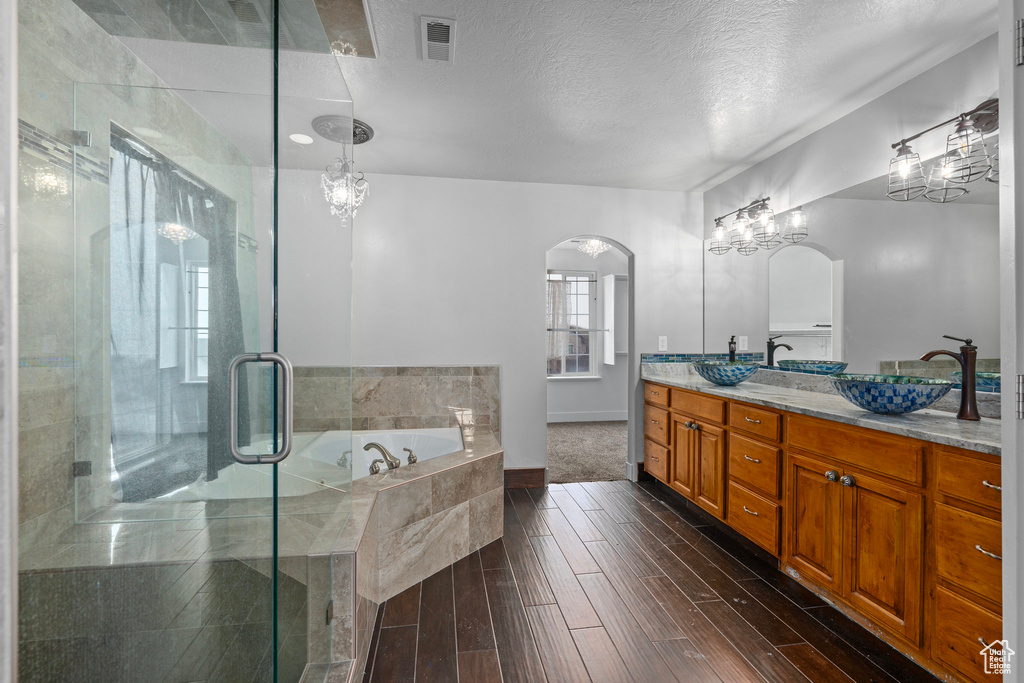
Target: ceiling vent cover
{"points": [[438, 39]]}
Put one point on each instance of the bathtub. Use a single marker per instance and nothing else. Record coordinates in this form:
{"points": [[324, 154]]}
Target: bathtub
{"points": [[315, 463]]}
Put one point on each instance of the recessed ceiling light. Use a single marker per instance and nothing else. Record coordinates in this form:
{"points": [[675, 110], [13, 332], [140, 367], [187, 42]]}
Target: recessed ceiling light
{"points": [[300, 139], [148, 132]]}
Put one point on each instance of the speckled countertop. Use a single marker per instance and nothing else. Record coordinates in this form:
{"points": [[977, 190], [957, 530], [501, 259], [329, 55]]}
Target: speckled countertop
{"points": [[927, 425]]}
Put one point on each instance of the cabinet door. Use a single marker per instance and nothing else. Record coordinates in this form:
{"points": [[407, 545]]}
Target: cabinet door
{"points": [[710, 461], [884, 541], [814, 521], [684, 442]]}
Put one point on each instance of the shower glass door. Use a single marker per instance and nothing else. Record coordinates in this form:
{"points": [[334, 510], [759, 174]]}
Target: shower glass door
{"points": [[169, 224]]}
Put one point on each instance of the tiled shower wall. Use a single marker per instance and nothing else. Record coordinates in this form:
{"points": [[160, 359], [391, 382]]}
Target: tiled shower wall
{"points": [[393, 397]]}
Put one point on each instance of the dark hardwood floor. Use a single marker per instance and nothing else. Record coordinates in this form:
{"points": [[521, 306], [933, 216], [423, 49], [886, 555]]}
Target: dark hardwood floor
{"points": [[615, 581]]}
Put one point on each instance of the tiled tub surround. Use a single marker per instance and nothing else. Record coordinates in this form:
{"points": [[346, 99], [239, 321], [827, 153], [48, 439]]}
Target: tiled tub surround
{"points": [[406, 524], [204, 577], [927, 425], [398, 397]]}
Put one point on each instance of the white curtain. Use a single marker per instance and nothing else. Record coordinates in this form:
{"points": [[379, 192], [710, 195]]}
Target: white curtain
{"points": [[558, 318]]}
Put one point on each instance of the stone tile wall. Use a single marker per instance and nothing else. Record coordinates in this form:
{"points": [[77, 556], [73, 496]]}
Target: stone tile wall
{"points": [[392, 397]]}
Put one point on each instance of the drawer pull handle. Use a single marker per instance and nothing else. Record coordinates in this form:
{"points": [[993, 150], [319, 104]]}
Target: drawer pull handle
{"points": [[655, 422], [986, 482], [655, 393], [757, 422], [750, 512], [985, 552], [655, 459], [755, 460], [832, 475], [983, 643]]}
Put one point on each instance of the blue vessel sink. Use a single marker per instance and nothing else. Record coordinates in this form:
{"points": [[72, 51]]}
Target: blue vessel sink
{"points": [[724, 372], [890, 394], [830, 367]]}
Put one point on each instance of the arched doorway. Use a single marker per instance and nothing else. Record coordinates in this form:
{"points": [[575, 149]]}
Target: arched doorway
{"points": [[805, 301], [589, 359]]}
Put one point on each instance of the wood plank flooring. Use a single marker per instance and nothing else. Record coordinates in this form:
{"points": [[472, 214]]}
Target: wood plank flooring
{"points": [[619, 582]]}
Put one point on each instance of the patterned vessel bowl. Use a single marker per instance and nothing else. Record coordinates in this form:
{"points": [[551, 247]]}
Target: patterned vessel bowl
{"points": [[890, 394], [830, 367], [726, 373], [983, 381]]}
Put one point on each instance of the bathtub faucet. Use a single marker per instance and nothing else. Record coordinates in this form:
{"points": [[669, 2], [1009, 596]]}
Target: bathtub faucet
{"points": [[392, 461], [412, 456]]}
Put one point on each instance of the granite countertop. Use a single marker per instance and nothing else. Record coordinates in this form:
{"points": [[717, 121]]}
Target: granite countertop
{"points": [[926, 425]]}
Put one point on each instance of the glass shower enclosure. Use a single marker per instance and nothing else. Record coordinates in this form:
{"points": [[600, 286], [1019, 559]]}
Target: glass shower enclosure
{"points": [[180, 270]]}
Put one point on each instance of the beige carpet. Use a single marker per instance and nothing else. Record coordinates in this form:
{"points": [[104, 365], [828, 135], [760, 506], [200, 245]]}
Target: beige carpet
{"points": [[586, 451]]}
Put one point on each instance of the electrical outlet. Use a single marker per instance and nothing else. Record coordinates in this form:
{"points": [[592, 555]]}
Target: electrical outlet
{"points": [[744, 344], [663, 343]]}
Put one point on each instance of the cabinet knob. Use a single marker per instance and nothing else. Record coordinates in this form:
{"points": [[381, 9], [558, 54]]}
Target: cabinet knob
{"points": [[688, 425], [847, 480], [832, 475], [694, 426]]}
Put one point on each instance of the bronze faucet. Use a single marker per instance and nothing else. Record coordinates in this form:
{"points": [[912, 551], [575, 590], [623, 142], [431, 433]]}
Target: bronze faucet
{"points": [[968, 359], [732, 349], [771, 349]]}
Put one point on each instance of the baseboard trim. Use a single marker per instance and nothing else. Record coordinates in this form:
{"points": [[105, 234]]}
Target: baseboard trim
{"points": [[526, 478], [633, 471], [592, 416]]}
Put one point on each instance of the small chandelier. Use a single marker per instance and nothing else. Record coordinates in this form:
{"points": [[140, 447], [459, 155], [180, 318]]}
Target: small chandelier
{"points": [[344, 192], [593, 247], [966, 159], [175, 232], [906, 179]]}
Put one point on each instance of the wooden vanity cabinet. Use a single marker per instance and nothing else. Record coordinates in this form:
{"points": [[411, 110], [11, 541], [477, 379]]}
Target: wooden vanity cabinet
{"points": [[899, 533]]}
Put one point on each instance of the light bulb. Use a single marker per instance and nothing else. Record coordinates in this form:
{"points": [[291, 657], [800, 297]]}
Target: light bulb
{"points": [[904, 167]]}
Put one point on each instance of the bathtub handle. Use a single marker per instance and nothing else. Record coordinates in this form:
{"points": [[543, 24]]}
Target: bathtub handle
{"points": [[412, 456], [375, 466], [287, 377]]}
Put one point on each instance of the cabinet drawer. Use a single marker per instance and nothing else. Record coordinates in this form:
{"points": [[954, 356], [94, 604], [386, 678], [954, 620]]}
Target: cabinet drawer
{"points": [[958, 536], [757, 421], [961, 628], [655, 393], [754, 516], [698, 405], [656, 424], [656, 460], [893, 456], [968, 478], [754, 463]]}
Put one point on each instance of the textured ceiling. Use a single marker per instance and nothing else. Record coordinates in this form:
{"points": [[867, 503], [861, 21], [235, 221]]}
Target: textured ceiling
{"points": [[664, 94]]}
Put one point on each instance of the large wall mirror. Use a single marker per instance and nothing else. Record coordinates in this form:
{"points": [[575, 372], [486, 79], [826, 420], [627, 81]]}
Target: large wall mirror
{"points": [[876, 283]]}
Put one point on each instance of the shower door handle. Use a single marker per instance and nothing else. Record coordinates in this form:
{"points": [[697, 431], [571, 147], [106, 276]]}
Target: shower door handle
{"points": [[286, 407]]}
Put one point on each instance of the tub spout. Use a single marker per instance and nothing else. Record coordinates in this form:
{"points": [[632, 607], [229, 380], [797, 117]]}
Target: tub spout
{"points": [[392, 461], [968, 359]]}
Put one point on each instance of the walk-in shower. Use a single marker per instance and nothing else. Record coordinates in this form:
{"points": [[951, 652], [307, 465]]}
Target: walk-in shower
{"points": [[160, 202]]}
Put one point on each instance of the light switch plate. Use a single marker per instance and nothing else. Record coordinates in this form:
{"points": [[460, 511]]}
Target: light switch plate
{"points": [[744, 343], [663, 343]]}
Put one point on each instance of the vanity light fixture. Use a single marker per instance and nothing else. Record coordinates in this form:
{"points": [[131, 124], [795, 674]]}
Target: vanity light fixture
{"points": [[796, 226], [966, 159], [993, 175], [906, 178], [753, 228], [593, 247]]}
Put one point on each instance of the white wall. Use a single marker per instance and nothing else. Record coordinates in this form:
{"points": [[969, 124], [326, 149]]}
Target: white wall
{"points": [[913, 271], [605, 397], [452, 271]]}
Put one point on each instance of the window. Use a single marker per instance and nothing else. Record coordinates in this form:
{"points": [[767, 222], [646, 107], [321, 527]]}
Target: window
{"points": [[197, 339], [572, 302]]}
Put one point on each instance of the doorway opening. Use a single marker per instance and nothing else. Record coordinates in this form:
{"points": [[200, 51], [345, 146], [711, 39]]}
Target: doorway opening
{"points": [[588, 359]]}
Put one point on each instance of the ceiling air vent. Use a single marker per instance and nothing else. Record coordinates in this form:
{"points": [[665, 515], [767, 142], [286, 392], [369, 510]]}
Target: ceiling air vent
{"points": [[438, 39]]}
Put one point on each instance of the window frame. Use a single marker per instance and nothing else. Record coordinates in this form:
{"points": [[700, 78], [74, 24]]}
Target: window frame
{"points": [[192, 327], [590, 277]]}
